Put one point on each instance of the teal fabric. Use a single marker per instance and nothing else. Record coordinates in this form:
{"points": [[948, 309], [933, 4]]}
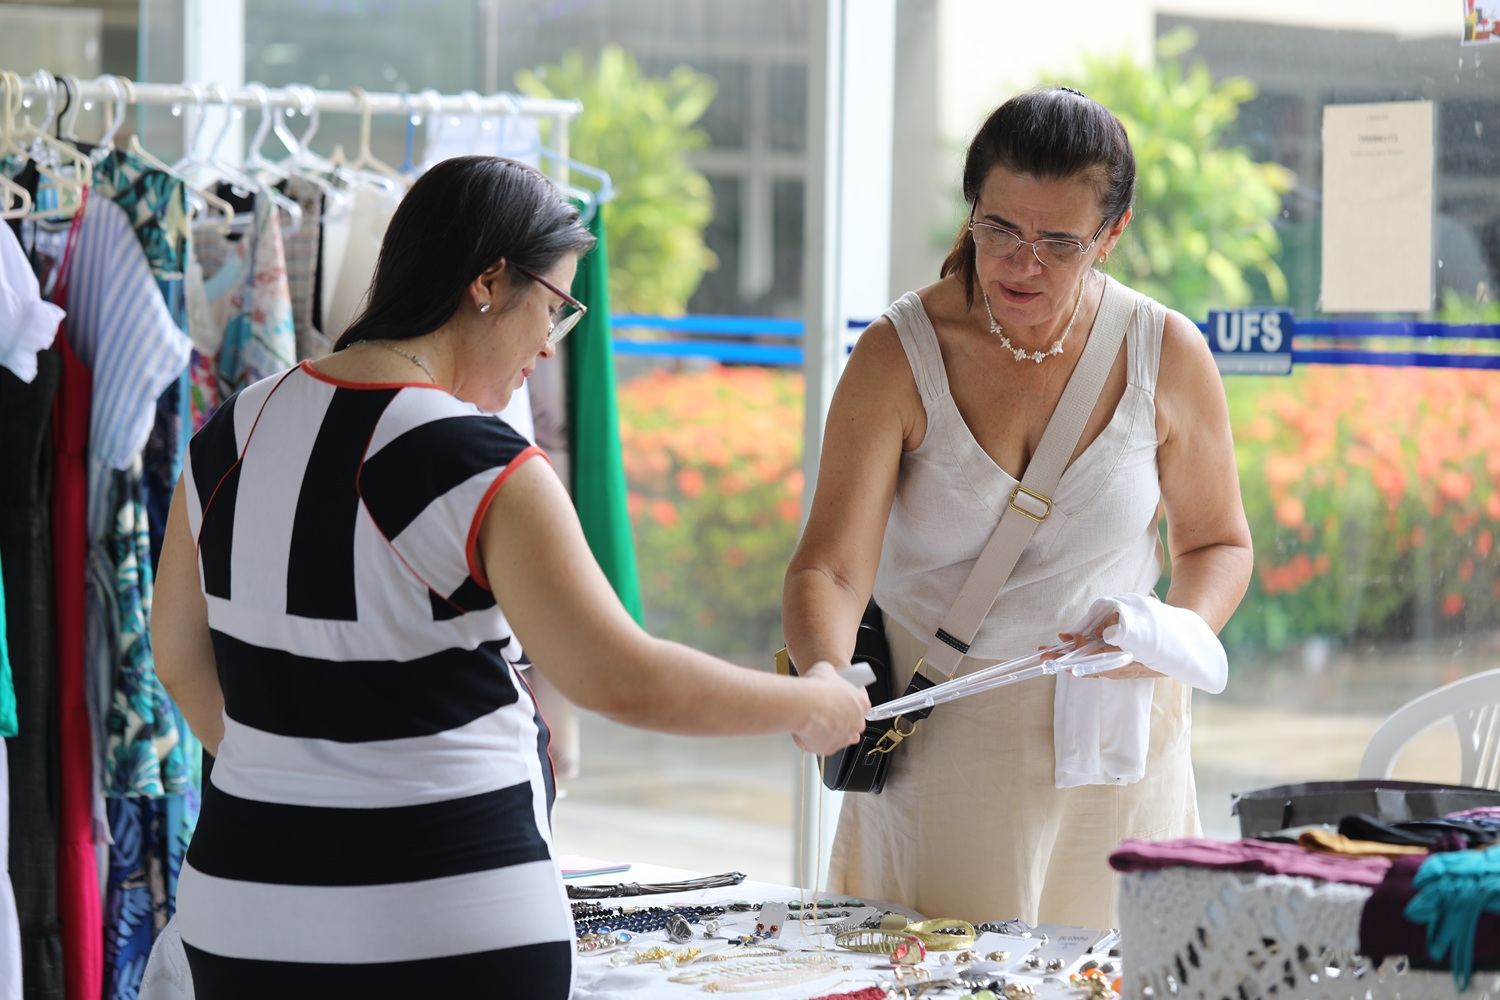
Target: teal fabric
{"points": [[8, 725], [1453, 890]]}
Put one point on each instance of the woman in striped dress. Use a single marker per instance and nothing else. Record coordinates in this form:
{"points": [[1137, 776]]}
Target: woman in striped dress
{"points": [[356, 553]]}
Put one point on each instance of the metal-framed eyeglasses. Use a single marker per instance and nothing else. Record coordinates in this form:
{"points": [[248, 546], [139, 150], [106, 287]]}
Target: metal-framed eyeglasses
{"points": [[1002, 244], [565, 316]]}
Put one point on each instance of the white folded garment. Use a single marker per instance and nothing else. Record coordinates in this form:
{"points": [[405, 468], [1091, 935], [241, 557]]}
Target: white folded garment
{"points": [[28, 322], [1101, 727]]}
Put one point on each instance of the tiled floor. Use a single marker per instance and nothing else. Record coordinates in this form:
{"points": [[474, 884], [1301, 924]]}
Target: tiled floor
{"points": [[716, 805]]}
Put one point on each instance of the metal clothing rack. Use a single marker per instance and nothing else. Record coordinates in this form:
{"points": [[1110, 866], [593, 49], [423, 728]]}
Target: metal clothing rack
{"points": [[296, 97]]}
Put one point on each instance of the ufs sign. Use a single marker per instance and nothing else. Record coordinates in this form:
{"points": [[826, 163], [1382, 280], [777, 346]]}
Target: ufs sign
{"points": [[1251, 341]]}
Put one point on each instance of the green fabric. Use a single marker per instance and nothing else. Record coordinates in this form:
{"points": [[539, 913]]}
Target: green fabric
{"points": [[599, 489], [8, 725]]}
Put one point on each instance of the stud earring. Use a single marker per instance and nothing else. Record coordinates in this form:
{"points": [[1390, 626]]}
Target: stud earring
{"points": [[484, 307]]}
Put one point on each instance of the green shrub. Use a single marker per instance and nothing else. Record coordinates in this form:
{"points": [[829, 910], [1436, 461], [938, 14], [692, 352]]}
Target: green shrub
{"points": [[640, 129], [1202, 236]]}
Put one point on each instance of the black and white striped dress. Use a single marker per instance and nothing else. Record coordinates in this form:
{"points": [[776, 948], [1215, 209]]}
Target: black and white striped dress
{"points": [[376, 822]]}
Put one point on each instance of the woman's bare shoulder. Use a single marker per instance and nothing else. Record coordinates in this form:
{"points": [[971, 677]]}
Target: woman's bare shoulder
{"points": [[946, 301]]}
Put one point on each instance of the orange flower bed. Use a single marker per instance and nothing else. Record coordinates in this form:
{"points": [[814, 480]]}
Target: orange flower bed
{"points": [[1372, 495]]}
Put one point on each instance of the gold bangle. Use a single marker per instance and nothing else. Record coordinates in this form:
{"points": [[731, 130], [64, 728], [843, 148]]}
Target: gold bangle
{"points": [[874, 942], [943, 934]]}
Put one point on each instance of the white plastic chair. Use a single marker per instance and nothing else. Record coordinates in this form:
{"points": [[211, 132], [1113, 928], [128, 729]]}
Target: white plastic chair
{"points": [[1471, 705]]}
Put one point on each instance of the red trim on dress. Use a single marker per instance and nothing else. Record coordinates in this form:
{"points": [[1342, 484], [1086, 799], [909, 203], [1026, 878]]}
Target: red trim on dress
{"points": [[471, 545]]}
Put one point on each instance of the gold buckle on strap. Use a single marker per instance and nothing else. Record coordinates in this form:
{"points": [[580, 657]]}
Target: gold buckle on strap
{"points": [[1046, 504], [892, 736]]}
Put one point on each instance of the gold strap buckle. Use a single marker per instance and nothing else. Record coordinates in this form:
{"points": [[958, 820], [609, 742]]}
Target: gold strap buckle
{"points": [[1046, 504], [892, 736]]}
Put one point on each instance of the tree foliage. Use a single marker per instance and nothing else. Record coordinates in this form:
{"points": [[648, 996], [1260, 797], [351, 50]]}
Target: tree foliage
{"points": [[1202, 236], [640, 129]]}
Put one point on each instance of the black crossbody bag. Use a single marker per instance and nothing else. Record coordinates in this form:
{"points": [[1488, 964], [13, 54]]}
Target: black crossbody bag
{"points": [[864, 766]]}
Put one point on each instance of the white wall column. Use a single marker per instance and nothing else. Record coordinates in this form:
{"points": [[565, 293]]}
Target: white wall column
{"points": [[851, 92], [213, 52]]}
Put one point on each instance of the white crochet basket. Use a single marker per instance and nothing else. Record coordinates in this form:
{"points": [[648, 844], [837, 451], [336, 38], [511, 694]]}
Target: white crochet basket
{"points": [[1202, 933]]}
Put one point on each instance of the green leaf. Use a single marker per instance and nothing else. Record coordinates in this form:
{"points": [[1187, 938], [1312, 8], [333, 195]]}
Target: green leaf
{"points": [[640, 129]]}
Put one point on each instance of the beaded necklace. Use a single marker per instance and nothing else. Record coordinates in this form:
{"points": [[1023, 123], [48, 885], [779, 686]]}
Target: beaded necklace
{"points": [[1037, 356], [599, 920]]}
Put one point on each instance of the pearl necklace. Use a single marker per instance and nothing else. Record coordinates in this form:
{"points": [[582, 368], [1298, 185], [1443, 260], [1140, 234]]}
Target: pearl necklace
{"points": [[1037, 356], [409, 356]]}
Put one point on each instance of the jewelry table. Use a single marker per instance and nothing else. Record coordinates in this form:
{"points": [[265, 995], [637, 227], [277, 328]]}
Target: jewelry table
{"points": [[597, 978]]}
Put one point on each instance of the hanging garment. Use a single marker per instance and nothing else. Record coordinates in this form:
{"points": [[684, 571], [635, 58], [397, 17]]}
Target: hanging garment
{"points": [[368, 219], [7, 685], [10, 928], [375, 822], [156, 203], [202, 382], [987, 762], [302, 251], [598, 471], [80, 775], [122, 331], [28, 323], [26, 561], [515, 137], [145, 763], [244, 275], [143, 756]]}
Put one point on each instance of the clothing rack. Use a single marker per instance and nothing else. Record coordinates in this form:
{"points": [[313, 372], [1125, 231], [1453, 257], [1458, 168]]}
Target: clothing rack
{"points": [[43, 85]]}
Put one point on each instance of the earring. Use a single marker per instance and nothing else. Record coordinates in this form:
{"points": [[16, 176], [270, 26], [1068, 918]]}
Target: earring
{"points": [[484, 307], [1103, 257]]}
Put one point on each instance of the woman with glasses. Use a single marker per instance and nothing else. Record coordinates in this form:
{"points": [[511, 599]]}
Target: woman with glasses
{"points": [[359, 558], [937, 415]]}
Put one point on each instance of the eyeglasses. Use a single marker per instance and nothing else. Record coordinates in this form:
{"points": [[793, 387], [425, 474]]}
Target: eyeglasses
{"points": [[565, 316], [1003, 244]]}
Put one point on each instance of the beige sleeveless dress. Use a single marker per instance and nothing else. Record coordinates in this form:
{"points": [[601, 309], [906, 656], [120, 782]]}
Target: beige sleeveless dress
{"points": [[970, 824]]}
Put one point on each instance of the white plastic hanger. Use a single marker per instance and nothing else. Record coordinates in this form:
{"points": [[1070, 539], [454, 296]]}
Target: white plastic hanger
{"points": [[238, 177], [303, 157], [16, 203], [53, 159], [106, 144], [365, 160], [204, 207], [255, 160], [1081, 661]]}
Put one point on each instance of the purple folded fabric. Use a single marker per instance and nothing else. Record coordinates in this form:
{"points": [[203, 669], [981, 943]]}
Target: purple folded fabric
{"points": [[1482, 812], [1385, 931], [1264, 856]]}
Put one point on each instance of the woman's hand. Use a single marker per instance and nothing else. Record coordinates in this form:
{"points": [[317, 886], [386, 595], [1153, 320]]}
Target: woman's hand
{"points": [[837, 711], [1128, 672]]}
